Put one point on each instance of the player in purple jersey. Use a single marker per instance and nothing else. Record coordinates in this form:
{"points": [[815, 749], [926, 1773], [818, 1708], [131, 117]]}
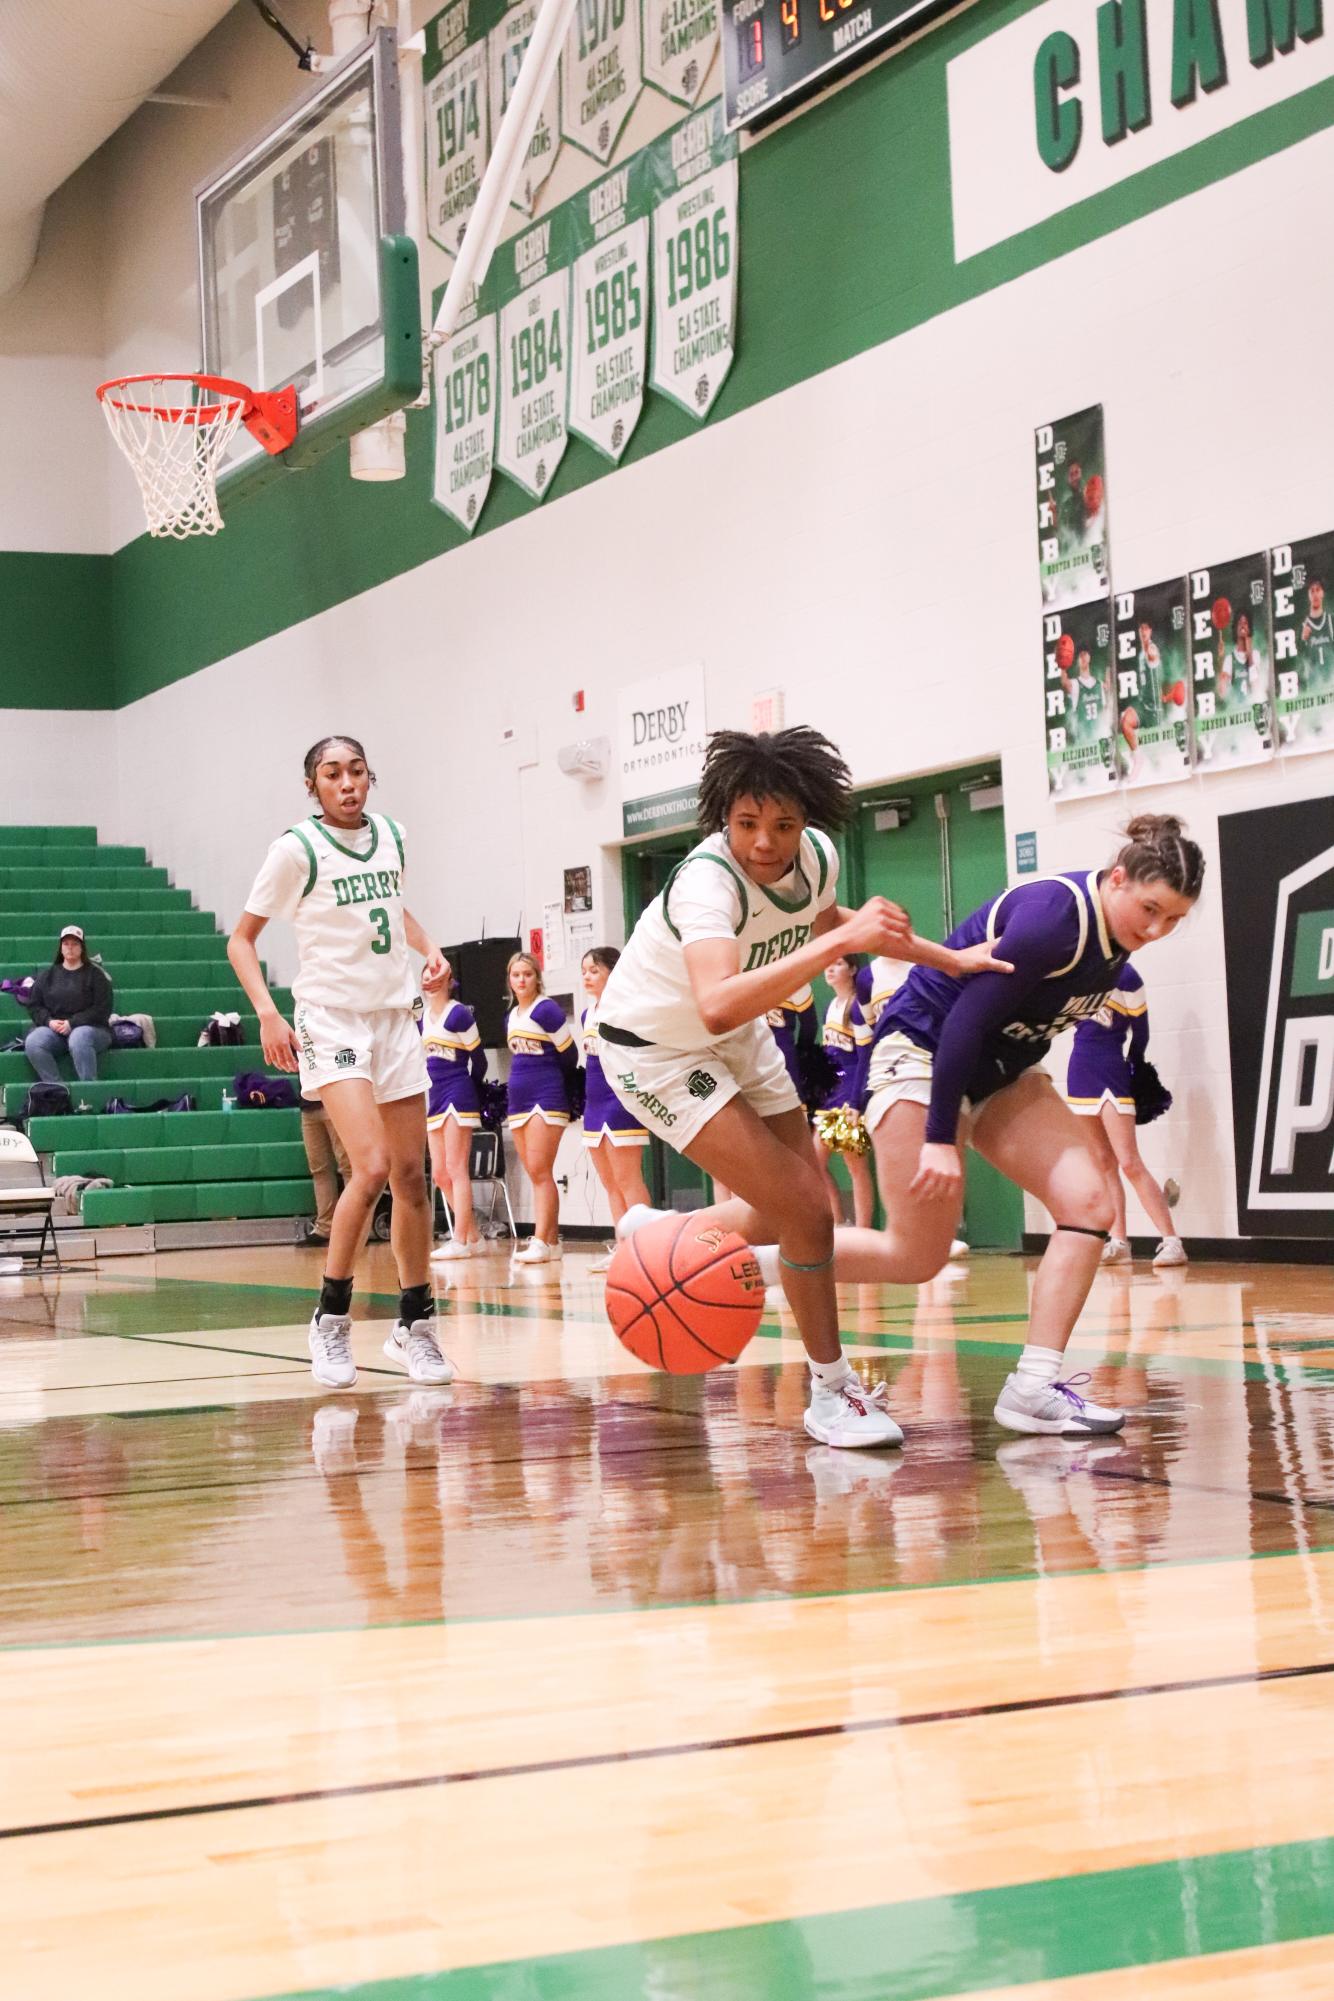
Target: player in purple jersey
{"points": [[846, 1041], [615, 1138], [1100, 1085], [456, 1068], [958, 1062], [543, 1059]]}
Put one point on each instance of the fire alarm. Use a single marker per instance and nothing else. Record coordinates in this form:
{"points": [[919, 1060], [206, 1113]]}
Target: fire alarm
{"points": [[578, 701]]}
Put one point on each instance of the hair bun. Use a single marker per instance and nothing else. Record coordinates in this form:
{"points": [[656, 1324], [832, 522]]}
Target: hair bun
{"points": [[1150, 828]]}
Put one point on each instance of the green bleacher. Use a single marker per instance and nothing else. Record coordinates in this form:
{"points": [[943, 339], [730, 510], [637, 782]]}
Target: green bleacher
{"points": [[167, 959]]}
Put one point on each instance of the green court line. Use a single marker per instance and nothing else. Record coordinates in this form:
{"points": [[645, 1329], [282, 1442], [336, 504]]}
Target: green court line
{"points": [[931, 1947]]}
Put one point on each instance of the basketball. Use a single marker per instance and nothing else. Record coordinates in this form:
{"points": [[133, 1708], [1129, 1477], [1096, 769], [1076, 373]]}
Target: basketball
{"points": [[1176, 694], [1222, 614], [1065, 652], [683, 1296], [1093, 494]]}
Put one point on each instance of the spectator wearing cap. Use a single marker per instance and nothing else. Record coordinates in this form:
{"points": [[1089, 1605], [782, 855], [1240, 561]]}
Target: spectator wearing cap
{"points": [[71, 1006]]}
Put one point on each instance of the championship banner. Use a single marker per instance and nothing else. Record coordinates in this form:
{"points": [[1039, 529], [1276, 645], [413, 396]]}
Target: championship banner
{"points": [[693, 170], [680, 38], [532, 280], [1081, 712], [601, 74], [1229, 643], [1073, 560], [464, 381], [1153, 683], [456, 116], [1302, 573], [609, 235], [508, 46], [1277, 869]]}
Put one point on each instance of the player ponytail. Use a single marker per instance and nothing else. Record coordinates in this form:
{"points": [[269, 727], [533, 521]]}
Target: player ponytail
{"points": [[317, 753], [1157, 850], [796, 764]]}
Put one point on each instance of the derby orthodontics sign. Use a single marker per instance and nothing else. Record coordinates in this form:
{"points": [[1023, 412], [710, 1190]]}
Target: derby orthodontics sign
{"points": [[660, 749]]}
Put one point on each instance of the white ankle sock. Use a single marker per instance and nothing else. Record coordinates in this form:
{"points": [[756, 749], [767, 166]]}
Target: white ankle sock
{"points": [[831, 1374], [766, 1256], [1039, 1365]]}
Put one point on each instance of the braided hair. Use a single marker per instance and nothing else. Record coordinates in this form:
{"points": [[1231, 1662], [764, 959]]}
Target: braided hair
{"points": [[1157, 850], [797, 764]]}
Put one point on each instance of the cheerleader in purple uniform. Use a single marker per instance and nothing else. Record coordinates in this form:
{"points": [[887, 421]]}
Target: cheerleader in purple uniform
{"points": [[543, 1058], [456, 1067], [795, 1027], [614, 1136], [846, 1041], [1100, 1084]]}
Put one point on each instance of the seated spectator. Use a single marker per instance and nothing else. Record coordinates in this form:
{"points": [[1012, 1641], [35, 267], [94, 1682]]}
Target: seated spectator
{"points": [[71, 1005]]}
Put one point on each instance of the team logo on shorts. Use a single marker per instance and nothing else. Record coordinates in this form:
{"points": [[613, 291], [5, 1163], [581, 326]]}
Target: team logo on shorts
{"points": [[700, 1084], [345, 1059]]}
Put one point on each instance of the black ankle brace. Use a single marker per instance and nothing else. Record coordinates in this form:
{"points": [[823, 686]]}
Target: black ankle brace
{"points": [[1078, 1230]]}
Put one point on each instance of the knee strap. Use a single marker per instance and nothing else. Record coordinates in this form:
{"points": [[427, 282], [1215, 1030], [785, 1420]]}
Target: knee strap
{"points": [[792, 1264], [1078, 1230]]}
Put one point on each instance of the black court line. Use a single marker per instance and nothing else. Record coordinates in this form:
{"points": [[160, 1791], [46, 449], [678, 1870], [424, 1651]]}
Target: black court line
{"points": [[543, 1768]]}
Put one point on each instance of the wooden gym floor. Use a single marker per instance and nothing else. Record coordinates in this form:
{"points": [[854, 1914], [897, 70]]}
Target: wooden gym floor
{"points": [[574, 1681]]}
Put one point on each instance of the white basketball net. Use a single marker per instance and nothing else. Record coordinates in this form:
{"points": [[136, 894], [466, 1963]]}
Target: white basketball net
{"points": [[175, 446]]}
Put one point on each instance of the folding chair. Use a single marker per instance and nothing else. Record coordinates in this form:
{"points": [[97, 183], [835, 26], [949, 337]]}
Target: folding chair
{"points": [[25, 1199], [486, 1163]]}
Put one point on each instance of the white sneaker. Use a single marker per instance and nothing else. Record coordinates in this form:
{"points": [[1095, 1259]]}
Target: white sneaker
{"points": [[850, 1415], [958, 1249], [599, 1265], [535, 1252], [452, 1248], [637, 1216], [1116, 1251], [1171, 1251], [330, 1341], [416, 1349], [1053, 1407]]}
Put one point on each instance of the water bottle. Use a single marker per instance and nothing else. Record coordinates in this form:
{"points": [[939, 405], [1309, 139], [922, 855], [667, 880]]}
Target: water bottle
{"points": [[228, 1102]]}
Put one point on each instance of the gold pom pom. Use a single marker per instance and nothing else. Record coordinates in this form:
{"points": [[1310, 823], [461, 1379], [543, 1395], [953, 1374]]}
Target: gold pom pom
{"points": [[842, 1131]]}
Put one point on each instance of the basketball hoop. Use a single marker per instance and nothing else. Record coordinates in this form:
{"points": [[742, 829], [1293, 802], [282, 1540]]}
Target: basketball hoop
{"points": [[176, 440]]}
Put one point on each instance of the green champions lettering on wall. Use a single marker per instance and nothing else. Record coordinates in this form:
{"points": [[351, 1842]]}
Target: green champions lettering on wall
{"points": [[1199, 65]]}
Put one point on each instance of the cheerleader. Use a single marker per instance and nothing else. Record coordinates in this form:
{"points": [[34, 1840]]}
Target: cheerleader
{"points": [[543, 1059], [795, 1027], [338, 878], [456, 1069], [957, 1063], [846, 1041], [614, 1137], [1100, 1084], [877, 983]]}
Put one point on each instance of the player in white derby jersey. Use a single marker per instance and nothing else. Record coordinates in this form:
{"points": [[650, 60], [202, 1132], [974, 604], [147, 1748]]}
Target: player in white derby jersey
{"points": [[749, 916], [338, 876]]}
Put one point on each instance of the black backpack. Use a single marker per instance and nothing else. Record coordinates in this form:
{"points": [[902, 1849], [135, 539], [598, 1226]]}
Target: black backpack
{"points": [[47, 1101]]}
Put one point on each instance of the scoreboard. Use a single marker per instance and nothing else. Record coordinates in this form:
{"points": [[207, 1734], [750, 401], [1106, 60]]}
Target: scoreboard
{"points": [[775, 50]]}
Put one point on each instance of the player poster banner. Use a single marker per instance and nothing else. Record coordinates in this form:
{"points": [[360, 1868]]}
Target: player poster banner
{"points": [[456, 116], [601, 74], [1081, 711], [1229, 641], [680, 37], [532, 277], [693, 169], [660, 737], [1301, 574], [464, 384], [508, 46], [609, 232], [1073, 559], [1277, 868], [1153, 683]]}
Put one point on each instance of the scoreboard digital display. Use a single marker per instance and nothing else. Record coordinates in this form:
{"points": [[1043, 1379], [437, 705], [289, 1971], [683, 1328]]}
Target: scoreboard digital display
{"points": [[775, 50]]}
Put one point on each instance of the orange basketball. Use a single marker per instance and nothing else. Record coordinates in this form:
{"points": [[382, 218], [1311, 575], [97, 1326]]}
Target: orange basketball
{"points": [[1065, 652], [684, 1296]]}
